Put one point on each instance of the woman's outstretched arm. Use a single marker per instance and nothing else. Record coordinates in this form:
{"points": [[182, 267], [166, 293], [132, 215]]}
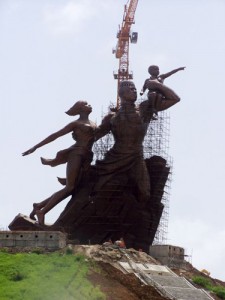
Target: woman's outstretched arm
{"points": [[70, 127]]}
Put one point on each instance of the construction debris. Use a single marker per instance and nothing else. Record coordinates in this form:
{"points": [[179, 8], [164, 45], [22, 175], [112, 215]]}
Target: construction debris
{"points": [[148, 270]]}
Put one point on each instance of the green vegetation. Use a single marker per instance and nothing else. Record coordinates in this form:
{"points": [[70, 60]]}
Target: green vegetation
{"points": [[34, 276], [206, 283], [202, 281]]}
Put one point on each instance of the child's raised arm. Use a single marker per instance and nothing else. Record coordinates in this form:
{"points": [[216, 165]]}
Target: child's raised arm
{"points": [[163, 76]]}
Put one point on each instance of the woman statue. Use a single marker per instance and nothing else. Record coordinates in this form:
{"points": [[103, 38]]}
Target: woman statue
{"points": [[78, 157]]}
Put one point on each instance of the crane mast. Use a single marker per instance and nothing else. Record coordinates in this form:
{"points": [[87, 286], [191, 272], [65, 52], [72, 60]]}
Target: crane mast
{"points": [[124, 37]]}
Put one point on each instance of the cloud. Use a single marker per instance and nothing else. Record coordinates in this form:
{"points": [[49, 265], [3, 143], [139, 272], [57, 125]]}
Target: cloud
{"points": [[68, 18], [9, 8]]}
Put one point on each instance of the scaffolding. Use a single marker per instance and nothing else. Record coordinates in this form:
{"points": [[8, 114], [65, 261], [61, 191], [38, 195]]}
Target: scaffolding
{"points": [[156, 143], [155, 147]]}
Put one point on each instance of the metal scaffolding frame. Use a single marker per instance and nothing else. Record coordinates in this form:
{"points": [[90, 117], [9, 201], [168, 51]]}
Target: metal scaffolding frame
{"points": [[156, 143]]}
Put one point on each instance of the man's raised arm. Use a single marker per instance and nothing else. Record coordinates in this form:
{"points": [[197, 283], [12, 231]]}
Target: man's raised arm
{"points": [[170, 97]]}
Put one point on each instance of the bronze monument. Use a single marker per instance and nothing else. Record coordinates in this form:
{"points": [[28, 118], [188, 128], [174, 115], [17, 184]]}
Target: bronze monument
{"points": [[78, 157], [118, 196]]}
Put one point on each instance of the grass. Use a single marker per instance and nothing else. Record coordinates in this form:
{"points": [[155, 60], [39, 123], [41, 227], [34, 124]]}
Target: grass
{"points": [[33, 276], [206, 283]]}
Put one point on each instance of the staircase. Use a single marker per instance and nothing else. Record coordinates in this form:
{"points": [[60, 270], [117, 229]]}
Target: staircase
{"points": [[166, 282]]}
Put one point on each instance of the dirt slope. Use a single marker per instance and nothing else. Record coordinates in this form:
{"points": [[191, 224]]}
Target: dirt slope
{"points": [[119, 286]]}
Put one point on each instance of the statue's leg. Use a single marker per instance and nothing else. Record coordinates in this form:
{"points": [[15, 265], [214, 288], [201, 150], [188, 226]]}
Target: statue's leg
{"points": [[141, 181], [73, 169], [52, 202], [48, 162], [155, 98], [38, 206], [62, 180], [61, 158]]}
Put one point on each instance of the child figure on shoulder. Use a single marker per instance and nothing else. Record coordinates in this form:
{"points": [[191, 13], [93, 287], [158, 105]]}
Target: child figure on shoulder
{"points": [[153, 70]]}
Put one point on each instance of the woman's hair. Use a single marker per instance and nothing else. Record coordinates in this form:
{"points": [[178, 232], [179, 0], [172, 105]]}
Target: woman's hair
{"points": [[76, 108]]}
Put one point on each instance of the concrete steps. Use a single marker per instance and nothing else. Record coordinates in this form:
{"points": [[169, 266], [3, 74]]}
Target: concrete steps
{"points": [[164, 280], [177, 288]]}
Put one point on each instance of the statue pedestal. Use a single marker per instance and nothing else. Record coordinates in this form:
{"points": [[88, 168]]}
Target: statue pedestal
{"points": [[50, 240], [23, 222]]}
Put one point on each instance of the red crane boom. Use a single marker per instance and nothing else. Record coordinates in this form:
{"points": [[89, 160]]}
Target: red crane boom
{"points": [[124, 38]]}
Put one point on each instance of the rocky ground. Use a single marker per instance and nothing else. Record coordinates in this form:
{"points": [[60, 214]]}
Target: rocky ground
{"points": [[112, 281], [119, 286]]}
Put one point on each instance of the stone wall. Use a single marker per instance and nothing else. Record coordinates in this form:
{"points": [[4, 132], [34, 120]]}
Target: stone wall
{"points": [[51, 240]]}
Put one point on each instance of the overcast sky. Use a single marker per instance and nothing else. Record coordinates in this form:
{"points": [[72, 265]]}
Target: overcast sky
{"points": [[55, 52]]}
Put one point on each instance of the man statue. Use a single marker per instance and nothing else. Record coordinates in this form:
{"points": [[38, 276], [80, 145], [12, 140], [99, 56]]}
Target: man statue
{"points": [[129, 126]]}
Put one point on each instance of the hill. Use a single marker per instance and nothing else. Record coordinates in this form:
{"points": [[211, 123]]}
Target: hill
{"points": [[78, 272]]}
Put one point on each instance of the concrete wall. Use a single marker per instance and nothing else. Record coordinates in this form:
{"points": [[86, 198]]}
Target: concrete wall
{"points": [[35, 239], [167, 254]]}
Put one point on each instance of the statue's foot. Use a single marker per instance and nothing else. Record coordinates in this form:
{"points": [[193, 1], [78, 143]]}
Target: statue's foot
{"points": [[46, 161], [33, 213], [41, 217], [32, 216]]}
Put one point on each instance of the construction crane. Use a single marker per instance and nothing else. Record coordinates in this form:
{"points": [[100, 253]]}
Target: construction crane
{"points": [[125, 36]]}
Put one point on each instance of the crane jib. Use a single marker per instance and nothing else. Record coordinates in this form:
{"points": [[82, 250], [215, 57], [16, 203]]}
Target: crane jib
{"points": [[122, 48]]}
